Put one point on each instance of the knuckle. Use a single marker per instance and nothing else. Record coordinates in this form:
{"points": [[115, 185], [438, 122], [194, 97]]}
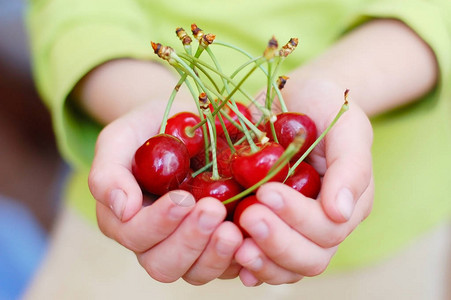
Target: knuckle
{"points": [[154, 270], [128, 242], [282, 252], [195, 281], [292, 278], [363, 171], [95, 179], [316, 268], [103, 228], [335, 238], [188, 246]]}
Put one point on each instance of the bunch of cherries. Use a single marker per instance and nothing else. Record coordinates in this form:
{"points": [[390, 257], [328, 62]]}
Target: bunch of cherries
{"points": [[225, 150]]}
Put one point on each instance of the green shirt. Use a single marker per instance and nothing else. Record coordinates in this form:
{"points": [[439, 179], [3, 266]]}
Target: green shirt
{"points": [[412, 145]]}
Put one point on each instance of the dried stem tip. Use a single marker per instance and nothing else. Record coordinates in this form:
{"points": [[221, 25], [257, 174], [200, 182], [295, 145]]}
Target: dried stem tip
{"points": [[346, 96], [271, 48], [289, 47], [207, 39], [203, 101], [281, 81], [163, 52], [197, 32], [183, 36]]}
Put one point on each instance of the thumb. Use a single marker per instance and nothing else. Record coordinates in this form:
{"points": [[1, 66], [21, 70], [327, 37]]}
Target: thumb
{"points": [[349, 166]]}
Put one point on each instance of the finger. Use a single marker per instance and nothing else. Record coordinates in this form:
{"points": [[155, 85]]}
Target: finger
{"points": [[308, 217], [249, 279], [282, 244], [172, 258], [150, 225], [217, 256], [110, 180], [349, 164], [232, 271], [254, 261]]}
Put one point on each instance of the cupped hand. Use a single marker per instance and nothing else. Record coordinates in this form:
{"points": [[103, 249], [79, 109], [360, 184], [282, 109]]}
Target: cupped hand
{"points": [[293, 236], [173, 237]]}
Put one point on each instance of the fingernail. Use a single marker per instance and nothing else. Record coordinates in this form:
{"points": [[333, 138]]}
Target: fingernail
{"points": [[118, 200], [248, 278], [345, 203], [255, 264], [208, 222], [259, 230], [273, 200], [182, 201], [225, 248]]}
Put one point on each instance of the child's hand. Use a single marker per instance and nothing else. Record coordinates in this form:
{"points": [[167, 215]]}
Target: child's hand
{"points": [[175, 236], [293, 236]]}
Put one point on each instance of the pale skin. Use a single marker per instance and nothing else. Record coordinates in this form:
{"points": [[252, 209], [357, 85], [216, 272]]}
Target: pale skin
{"points": [[383, 63]]}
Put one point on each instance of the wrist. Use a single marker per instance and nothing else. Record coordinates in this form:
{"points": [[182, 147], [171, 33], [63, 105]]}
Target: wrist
{"points": [[383, 63], [118, 86]]}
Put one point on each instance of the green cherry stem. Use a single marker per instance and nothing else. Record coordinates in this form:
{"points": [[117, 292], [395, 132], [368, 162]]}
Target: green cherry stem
{"points": [[224, 101], [201, 116], [247, 54], [275, 87], [269, 99], [232, 100], [179, 64], [172, 96], [260, 60], [212, 131], [244, 52]]}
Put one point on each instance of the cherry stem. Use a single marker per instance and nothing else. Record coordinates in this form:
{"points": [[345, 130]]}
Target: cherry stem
{"points": [[201, 87], [239, 50], [342, 110], [224, 101], [212, 131], [198, 62], [181, 65], [190, 131], [174, 93], [273, 83], [203, 169], [201, 116], [275, 87], [269, 99], [218, 67], [257, 132], [232, 100]]}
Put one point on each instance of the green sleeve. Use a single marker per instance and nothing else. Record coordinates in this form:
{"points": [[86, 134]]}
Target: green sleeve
{"points": [[411, 145], [69, 38], [431, 20], [411, 149]]}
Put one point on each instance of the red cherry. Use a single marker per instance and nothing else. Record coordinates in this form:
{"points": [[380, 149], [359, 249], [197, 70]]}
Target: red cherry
{"points": [[249, 168], [161, 164], [305, 180], [288, 125], [224, 159], [203, 185], [186, 183], [240, 208], [179, 126]]}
